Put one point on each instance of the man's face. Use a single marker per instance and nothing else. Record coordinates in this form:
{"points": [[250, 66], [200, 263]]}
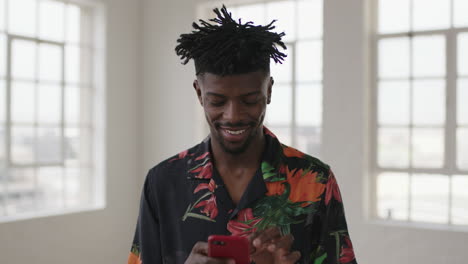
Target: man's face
{"points": [[234, 107]]}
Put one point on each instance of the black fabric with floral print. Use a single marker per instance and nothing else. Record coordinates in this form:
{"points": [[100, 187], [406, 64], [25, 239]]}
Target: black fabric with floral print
{"points": [[184, 200]]}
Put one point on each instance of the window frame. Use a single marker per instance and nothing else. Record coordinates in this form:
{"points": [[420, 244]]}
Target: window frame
{"points": [[93, 44], [449, 168]]}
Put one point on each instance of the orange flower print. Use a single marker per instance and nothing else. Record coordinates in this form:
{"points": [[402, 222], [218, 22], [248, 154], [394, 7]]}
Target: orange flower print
{"points": [[292, 152], [275, 188], [134, 259], [134, 256], [304, 186]]}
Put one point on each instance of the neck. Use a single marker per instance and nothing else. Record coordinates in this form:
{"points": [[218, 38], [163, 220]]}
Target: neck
{"points": [[250, 158]]}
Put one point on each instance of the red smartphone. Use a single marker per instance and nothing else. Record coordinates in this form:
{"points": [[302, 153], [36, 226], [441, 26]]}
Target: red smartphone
{"points": [[233, 247]]}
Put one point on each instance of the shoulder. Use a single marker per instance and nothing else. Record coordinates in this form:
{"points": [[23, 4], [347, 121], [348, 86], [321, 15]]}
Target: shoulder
{"points": [[297, 158], [172, 167]]}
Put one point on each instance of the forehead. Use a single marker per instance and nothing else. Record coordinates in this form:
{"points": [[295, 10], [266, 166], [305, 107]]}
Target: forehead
{"points": [[234, 84]]}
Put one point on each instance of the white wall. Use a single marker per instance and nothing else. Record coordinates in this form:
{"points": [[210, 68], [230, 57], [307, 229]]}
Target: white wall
{"points": [[102, 236]]}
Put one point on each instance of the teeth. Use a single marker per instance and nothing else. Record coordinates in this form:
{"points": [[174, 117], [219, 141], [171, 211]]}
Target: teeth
{"points": [[238, 132]]}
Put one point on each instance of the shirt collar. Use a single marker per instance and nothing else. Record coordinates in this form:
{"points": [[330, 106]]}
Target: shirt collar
{"points": [[200, 165]]}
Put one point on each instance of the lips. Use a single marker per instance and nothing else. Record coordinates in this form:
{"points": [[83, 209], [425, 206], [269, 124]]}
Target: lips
{"points": [[234, 134]]}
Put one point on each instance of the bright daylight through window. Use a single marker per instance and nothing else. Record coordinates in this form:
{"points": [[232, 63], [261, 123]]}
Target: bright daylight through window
{"points": [[48, 91], [295, 112], [421, 125]]}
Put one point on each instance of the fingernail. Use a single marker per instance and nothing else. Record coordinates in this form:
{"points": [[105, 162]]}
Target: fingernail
{"points": [[256, 242], [231, 261], [271, 247]]}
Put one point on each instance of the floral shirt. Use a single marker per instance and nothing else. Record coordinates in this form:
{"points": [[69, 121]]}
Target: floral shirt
{"points": [[184, 200]]}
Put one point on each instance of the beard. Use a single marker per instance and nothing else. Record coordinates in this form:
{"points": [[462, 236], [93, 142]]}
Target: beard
{"points": [[225, 145]]}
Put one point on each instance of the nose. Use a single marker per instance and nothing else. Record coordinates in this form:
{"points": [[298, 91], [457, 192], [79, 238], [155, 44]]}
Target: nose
{"points": [[233, 112]]}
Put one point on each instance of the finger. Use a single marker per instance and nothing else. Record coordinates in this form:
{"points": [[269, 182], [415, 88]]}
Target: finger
{"points": [[284, 242], [267, 236], [290, 258], [201, 248]]}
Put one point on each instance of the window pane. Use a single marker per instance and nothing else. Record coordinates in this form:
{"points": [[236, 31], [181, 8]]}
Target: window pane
{"points": [[73, 24], [462, 148], [429, 102], [429, 56], [283, 133], [72, 147], [23, 59], [280, 108], [460, 10], [50, 188], [431, 14], [309, 61], [72, 105], [390, 112], [393, 150], [309, 18], [392, 196], [22, 17], [394, 57], [460, 199], [22, 102], [3, 104], [309, 105], [21, 194], [72, 64], [49, 145], [282, 72], [462, 103], [76, 186], [308, 140], [463, 54], [254, 13], [49, 104], [50, 62], [428, 148], [51, 20], [86, 143], [430, 198], [394, 16], [2, 15], [22, 144], [283, 11], [3, 55]]}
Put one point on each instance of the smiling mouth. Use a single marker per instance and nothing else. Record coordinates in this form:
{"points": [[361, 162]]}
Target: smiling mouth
{"points": [[235, 132]]}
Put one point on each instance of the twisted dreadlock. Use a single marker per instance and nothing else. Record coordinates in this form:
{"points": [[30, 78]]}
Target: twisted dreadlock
{"points": [[230, 47]]}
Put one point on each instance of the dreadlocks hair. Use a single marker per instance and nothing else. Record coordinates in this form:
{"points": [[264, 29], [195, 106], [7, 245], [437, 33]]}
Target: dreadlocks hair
{"points": [[229, 47]]}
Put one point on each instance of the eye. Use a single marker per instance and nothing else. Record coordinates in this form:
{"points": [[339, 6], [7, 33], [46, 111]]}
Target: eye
{"points": [[251, 100], [216, 103]]}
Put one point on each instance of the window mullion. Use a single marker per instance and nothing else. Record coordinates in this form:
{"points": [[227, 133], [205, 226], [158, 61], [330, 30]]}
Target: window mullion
{"points": [[451, 112], [7, 122]]}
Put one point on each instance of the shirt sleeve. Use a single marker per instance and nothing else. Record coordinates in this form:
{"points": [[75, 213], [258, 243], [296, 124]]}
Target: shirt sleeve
{"points": [[329, 231], [146, 246]]}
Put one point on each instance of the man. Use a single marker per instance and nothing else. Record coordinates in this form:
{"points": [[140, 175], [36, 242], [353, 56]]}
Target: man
{"points": [[241, 180]]}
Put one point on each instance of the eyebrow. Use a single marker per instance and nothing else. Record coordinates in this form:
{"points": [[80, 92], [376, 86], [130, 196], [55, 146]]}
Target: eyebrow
{"points": [[223, 96]]}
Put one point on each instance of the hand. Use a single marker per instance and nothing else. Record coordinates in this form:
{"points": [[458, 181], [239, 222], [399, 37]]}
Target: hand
{"points": [[270, 247], [199, 255]]}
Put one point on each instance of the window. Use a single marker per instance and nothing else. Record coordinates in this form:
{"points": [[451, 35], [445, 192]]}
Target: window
{"points": [[421, 122], [295, 112], [50, 159]]}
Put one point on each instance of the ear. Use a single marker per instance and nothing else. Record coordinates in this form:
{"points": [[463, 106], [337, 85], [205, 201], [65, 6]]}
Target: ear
{"points": [[270, 87], [197, 88]]}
